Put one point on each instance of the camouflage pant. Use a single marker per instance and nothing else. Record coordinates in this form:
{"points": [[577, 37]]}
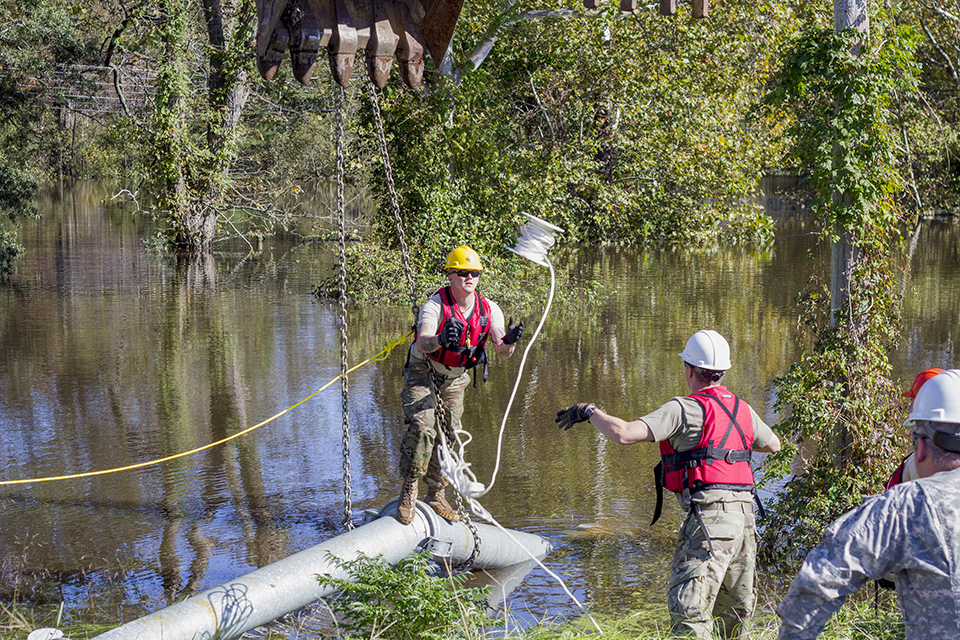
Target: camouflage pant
{"points": [[418, 452], [714, 588]]}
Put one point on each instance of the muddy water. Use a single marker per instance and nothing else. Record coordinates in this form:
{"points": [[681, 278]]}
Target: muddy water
{"points": [[110, 356]]}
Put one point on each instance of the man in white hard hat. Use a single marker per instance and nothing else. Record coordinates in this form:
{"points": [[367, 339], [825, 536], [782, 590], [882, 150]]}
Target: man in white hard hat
{"points": [[911, 531], [706, 444]]}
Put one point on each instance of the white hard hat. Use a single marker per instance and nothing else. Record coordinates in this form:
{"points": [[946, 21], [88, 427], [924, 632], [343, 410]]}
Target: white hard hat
{"points": [[707, 348], [938, 400]]}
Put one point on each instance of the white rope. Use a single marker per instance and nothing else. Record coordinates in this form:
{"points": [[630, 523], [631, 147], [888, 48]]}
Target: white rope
{"points": [[454, 465], [535, 240], [458, 472]]}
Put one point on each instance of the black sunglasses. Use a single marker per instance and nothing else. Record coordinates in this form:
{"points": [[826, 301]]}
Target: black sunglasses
{"points": [[465, 273]]}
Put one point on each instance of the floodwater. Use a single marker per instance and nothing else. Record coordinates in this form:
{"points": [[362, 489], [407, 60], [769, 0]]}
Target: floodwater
{"points": [[111, 356]]}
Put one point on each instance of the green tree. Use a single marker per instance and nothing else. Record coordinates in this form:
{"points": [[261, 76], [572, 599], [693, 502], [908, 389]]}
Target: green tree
{"points": [[195, 136], [40, 39], [621, 128], [842, 407]]}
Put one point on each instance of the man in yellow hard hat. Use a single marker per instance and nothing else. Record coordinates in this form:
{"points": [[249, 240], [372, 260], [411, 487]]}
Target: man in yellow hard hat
{"points": [[453, 329]]}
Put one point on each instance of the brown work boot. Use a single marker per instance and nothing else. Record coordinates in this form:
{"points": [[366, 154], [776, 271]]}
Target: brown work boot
{"points": [[437, 501], [408, 501]]}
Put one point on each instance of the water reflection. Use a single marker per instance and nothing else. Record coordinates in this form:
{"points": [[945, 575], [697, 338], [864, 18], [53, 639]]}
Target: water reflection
{"points": [[112, 356]]}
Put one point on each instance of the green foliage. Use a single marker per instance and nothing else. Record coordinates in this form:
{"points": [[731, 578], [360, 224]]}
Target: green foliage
{"points": [[375, 275], [16, 195], [842, 128], [843, 409], [404, 602], [622, 131], [929, 120]]}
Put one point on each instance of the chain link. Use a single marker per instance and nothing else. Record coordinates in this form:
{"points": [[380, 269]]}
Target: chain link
{"points": [[342, 248], [448, 432], [394, 202]]}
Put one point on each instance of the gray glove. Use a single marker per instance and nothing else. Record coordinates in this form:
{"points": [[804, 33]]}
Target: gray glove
{"points": [[451, 334], [570, 416]]}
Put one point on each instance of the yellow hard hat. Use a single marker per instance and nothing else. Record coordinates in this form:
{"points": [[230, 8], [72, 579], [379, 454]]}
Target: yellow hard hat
{"points": [[463, 257]]}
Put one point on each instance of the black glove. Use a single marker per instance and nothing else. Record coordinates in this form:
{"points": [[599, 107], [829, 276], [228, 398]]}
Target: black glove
{"points": [[514, 332], [570, 416], [451, 334]]}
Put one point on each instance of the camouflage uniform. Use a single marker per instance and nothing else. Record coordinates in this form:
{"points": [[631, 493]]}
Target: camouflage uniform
{"points": [[704, 584], [911, 531], [708, 590], [418, 453]]}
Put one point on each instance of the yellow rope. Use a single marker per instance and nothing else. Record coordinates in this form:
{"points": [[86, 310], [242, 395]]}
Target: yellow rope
{"points": [[382, 355]]}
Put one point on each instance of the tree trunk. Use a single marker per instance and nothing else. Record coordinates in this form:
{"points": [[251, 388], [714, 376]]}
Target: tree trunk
{"points": [[847, 14], [194, 203]]}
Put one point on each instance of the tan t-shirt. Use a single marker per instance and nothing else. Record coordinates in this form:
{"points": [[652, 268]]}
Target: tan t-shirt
{"points": [[680, 421]]}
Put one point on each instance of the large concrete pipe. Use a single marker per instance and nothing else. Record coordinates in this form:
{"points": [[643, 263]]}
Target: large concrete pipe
{"points": [[249, 601]]}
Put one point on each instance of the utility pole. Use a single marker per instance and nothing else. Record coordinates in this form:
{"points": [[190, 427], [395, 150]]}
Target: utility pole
{"points": [[847, 14]]}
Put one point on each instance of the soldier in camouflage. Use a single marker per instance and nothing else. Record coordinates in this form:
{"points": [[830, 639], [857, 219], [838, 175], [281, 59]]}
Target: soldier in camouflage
{"points": [[911, 531], [453, 328], [706, 440]]}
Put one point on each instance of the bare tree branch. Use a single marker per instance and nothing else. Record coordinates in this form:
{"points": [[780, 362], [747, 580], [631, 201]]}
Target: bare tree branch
{"points": [[933, 42]]}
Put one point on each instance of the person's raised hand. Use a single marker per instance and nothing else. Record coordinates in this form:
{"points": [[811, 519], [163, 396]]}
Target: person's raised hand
{"points": [[452, 333], [570, 416], [514, 332]]}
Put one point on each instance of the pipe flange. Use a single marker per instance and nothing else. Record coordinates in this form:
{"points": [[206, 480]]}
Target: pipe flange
{"points": [[432, 522]]}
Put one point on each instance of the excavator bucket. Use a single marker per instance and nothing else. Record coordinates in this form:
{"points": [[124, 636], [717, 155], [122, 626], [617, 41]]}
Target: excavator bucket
{"points": [[381, 29]]}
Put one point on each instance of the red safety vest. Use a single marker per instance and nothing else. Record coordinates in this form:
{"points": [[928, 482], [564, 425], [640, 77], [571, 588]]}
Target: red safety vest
{"points": [[897, 476], [470, 352], [722, 458]]}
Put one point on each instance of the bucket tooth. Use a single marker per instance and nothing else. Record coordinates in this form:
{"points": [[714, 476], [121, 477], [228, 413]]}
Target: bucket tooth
{"points": [[628, 5], [269, 13], [269, 63], [591, 4], [343, 44], [306, 38], [361, 13], [410, 44], [382, 45], [439, 23], [668, 7], [271, 44], [701, 8]]}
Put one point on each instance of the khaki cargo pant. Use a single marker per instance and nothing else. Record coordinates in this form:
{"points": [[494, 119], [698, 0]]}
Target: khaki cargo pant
{"points": [[418, 448], [714, 589]]}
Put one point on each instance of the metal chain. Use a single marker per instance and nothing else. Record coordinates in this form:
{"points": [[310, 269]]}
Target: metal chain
{"points": [[394, 202], [441, 424], [342, 247]]}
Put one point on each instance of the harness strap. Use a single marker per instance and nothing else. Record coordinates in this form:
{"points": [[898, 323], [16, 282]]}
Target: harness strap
{"points": [[706, 534], [658, 483], [707, 455]]}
